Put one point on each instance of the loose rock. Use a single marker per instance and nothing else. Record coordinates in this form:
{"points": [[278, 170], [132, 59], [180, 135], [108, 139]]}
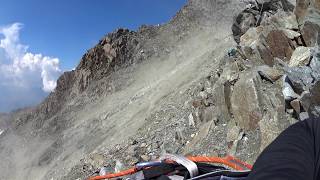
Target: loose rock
{"points": [[288, 92], [291, 34], [300, 57], [269, 73], [296, 105]]}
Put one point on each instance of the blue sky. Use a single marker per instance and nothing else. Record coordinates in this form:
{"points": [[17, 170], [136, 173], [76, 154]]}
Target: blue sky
{"points": [[39, 39], [67, 28]]}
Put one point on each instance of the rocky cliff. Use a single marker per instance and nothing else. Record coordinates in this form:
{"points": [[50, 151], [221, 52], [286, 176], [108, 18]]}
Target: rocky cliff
{"points": [[222, 77]]}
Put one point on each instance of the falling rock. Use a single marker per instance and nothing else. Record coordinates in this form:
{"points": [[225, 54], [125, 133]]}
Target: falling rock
{"points": [[245, 100], [300, 57], [295, 104]]}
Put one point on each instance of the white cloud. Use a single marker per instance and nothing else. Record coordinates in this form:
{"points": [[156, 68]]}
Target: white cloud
{"points": [[24, 72]]}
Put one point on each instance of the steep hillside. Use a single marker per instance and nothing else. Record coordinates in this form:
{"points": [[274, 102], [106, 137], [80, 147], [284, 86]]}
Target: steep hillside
{"points": [[173, 88]]}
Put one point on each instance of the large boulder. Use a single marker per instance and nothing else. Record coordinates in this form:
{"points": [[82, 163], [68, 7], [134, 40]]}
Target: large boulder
{"points": [[245, 101], [279, 45], [311, 32]]}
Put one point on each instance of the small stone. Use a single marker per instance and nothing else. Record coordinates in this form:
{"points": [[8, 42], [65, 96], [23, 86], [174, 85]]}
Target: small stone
{"points": [[134, 142], [208, 102], [245, 138], [131, 150], [303, 116], [196, 104], [119, 166], [290, 111], [104, 170], [300, 57], [191, 120], [295, 104], [203, 95], [179, 136], [144, 158], [233, 133], [143, 145]]}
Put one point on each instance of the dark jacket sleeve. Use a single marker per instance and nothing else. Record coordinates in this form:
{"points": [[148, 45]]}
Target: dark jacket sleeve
{"points": [[294, 155]]}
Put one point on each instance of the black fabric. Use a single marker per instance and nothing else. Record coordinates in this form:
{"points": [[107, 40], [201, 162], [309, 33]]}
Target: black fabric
{"points": [[205, 168], [155, 172], [294, 155]]}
